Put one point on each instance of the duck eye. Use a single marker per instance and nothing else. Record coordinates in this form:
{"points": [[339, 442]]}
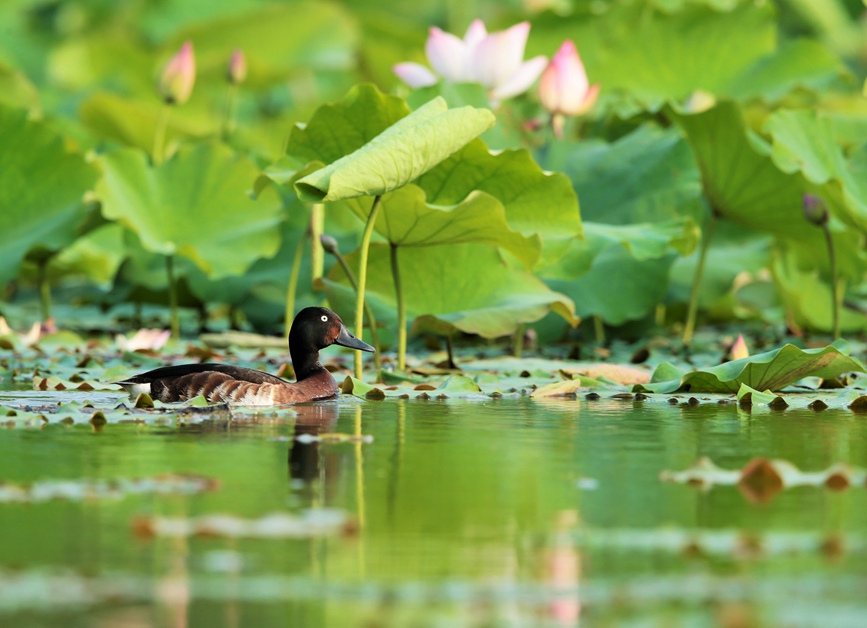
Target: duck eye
{"points": [[323, 318]]}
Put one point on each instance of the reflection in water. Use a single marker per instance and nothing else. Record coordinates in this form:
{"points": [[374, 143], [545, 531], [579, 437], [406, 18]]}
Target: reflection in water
{"points": [[304, 457]]}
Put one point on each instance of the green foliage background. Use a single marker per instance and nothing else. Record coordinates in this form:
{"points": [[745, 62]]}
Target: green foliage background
{"points": [[713, 115]]}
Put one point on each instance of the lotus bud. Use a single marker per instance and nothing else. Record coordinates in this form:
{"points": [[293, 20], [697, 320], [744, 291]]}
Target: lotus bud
{"points": [[329, 244], [739, 349], [178, 77], [236, 71], [815, 211], [564, 89]]}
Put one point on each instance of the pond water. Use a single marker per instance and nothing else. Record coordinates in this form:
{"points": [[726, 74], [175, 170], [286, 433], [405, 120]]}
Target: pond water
{"points": [[504, 512]]}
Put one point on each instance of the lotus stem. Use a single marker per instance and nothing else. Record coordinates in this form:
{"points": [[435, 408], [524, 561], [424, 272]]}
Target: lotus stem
{"points": [[173, 296], [228, 123], [362, 279], [160, 133], [292, 288], [44, 290], [599, 329], [317, 253], [835, 283], [689, 329], [374, 333], [518, 342], [401, 311], [450, 350]]}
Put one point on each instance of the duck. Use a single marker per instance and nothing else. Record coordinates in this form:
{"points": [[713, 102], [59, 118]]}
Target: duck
{"points": [[313, 329]]}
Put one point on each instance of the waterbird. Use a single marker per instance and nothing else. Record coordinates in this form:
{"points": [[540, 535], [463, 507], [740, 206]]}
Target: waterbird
{"points": [[313, 329]]}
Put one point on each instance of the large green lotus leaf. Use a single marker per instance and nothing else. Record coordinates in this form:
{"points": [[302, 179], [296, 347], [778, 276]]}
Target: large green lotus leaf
{"points": [[620, 272], [337, 130], [41, 189], [406, 219], [642, 242], [276, 39], [133, 122], [657, 56], [802, 277], [97, 255], [195, 205], [464, 287], [773, 370], [646, 176], [536, 202], [803, 63], [400, 154], [16, 90], [741, 183], [805, 142]]}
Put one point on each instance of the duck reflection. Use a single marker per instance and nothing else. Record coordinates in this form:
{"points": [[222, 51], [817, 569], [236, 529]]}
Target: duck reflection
{"points": [[304, 457]]}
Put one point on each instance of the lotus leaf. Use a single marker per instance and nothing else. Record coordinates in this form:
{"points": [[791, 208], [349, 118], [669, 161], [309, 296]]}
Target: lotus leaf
{"points": [[536, 202], [741, 183], [405, 219], [646, 176], [195, 205], [454, 287], [805, 142], [398, 155], [41, 188], [772, 370]]}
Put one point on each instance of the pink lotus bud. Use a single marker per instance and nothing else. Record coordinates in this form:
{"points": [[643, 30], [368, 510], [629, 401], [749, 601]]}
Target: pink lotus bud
{"points": [[739, 349], [564, 89], [236, 71], [178, 77]]}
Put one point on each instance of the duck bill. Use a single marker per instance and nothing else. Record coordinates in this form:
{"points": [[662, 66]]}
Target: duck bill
{"points": [[346, 339]]}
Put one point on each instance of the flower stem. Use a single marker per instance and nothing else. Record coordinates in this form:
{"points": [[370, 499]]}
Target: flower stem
{"points": [[401, 311], [173, 296], [518, 341], [362, 279], [689, 328], [44, 290], [228, 123], [160, 133], [835, 283], [374, 333], [292, 288], [317, 226]]}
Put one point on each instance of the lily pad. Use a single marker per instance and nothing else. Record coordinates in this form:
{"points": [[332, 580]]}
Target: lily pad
{"points": [[772, 370], [195, 205]]}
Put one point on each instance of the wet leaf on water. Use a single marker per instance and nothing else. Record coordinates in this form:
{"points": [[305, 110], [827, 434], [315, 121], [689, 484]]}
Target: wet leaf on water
{"points": [[760, 479], [560, 389], [616, 373], [334, 437], [116, 488], [772, 370], [308, 524]]}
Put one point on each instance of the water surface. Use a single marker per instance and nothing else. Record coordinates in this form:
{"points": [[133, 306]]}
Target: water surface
{"points": [[483, 513]]}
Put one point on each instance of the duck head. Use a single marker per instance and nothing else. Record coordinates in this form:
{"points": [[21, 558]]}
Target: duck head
{"points": [[315, 328]]}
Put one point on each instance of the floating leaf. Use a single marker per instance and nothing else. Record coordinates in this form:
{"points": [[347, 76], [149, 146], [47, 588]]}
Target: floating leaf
{"points": [[308, 524], [398, 155], [195, 205], [748, 396], [116, 488], [771, 370]]}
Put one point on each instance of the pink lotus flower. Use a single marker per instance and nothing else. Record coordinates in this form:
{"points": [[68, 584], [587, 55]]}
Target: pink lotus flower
{"points": [[236, 71], [564, 89], [178, 77], [150, 339], [494, 60], [739, 349]]}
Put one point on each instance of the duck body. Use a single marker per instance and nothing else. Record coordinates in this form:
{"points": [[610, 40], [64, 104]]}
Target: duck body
{"points": [[313, 329]]}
